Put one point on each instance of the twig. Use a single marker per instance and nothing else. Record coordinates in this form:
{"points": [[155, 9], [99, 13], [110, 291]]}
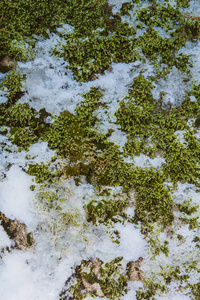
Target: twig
{"points": [[0, 21], [95, 3]]}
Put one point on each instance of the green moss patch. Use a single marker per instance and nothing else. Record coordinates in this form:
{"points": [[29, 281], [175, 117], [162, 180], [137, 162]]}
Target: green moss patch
{"points": [[96, 279]]}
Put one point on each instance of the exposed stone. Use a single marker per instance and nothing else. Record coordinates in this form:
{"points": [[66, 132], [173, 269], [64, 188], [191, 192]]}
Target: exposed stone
{"points": [[23, 240], [135, 273], [17, 232], [96, 268], [94, 77], [95, 287], [7, 63]]}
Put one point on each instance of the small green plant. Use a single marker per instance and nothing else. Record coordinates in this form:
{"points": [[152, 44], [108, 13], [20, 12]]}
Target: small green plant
{"points": [[13, 85], [20, 115], [105, 211], [96, 279], [196, 291], [42, 173]]}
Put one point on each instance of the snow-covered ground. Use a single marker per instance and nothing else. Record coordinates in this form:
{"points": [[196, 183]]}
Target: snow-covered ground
{"points": [[41, 271]]}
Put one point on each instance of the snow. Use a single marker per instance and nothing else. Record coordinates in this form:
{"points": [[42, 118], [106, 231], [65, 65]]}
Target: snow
{"points": [[145, 161], [132, 243], [4, 239], [16, 196]]}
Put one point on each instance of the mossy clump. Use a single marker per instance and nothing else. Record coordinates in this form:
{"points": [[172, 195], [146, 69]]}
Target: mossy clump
{"points": [[150, 290], [181, 163], [150, 128], [196, 291], [94, 55], [66, 135], [90, 52], [153, 199], [42, 173], [23, 137], [25, 125], [20, 115], [12, 85], [70, 132], [114, 281], [24, 18], [84, 111], [106, 211], [21, 120], [183, 3], [95, 278]]}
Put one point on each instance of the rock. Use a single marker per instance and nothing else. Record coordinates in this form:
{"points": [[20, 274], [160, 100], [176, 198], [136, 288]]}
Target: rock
{"points": [[135, 273], [7, 63], [17, 232], [95, 287]]}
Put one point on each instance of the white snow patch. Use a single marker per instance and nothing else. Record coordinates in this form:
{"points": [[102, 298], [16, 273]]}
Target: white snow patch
{"points": [[145, 161], [132, 244], [16, 197], [4, 239]]}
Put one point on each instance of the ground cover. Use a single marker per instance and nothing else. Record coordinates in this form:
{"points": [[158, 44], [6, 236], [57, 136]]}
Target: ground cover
{"points": [[99, 120]]}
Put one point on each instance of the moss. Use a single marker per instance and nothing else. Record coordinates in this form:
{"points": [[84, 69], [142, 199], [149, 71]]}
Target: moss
{"points": [[183, 3], [29, 239], [193, 222], [112, 281], [84, 111], [189, 109], [13, 85], [153, 200], [86, 17], [77, 170], [126, 6], [150, 290], [169, 274], [181, 165], [23, 137], [20, 115], [108, 42], [159, 15], [25, 125], [32, 187], [105, 211], [69, 132], [96, 54], [165, 50], [42, 173], [107, 167], [100, 38], [24, 18], [157, 247], [147, 123], [195, 91], [195, 291], [188, 208], [65, 135], [174, 273]]}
